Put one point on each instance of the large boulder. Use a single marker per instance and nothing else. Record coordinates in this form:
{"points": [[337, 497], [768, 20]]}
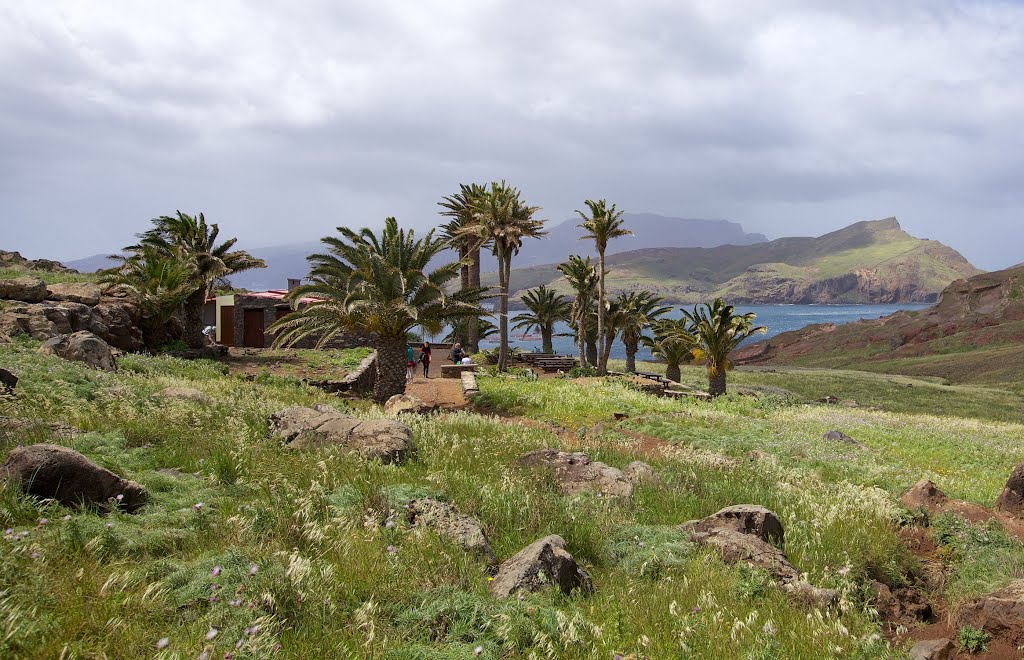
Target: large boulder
{"points": [[118, 321], [541, 563], [1011, 500], [576, 472], [406, 403], [385, 440], [932, 649], [639, 472], [744, 534], [924, 496], [444, 519], [84, 293], [82, 347], [1000, 614], [70, 478], [25, 289], [8, 382]]}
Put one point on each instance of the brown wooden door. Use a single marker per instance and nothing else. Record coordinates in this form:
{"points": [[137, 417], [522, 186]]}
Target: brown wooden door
{"points": [[252, 324], [281, 312], [227, 325]]}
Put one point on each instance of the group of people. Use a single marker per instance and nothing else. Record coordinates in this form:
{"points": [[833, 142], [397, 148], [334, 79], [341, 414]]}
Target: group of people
{"points": [[457, 356]]}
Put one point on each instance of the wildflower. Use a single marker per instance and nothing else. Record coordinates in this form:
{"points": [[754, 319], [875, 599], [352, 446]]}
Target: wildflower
{"points": [[391, 549], [642, 544], [235, 603], [162, 643], [35, 555], [214, 587], [205, 655], [110, 525], [197, 506], [478, 650], [43, 521], [769, 628], [9, 530], [253, 570], [252, 631], [276, 647], [228, 655], [213, 599], [212, 633], [120, 496], [215, 572], [696, 608]]}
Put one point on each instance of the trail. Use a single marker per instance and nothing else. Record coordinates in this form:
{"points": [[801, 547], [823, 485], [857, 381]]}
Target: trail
{"points": [[443, 393]]}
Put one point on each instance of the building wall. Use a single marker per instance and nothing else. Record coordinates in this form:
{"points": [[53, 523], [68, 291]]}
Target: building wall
{"points": [[228, 300]]}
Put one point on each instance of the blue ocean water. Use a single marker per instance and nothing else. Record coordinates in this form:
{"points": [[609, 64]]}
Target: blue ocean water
{"points": [[777, 318]]}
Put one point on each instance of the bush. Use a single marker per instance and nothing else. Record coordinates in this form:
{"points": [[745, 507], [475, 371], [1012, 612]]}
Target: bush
{"points": [[973, 640]]}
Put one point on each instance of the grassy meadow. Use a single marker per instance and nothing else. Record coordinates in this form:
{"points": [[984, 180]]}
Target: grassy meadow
{"points": [[248, 549]]}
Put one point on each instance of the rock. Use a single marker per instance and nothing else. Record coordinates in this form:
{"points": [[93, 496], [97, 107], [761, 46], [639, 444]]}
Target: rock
{"points": [[309, 428], [405, 403], [8, 382], [840, 437], [1011, 500], [1000, 614], [619, 416], [444, 519], [741, 534], [639, 472], [76, 292], [924, 495], [829, 398], [543, 562], [902, 606], [25, 289], [81, 347], [575, 473], [184, 394], [68, 477], [932, 649]]}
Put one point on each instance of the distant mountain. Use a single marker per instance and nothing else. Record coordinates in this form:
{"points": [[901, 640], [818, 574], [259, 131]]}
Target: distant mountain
{"points": [[289, 261], [867, 262], [974, 334]]}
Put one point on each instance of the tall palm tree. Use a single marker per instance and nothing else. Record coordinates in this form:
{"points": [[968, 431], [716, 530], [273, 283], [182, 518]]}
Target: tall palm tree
{"points": [[505, 221], [718, 330], [636, 311], [603, 224], [460, 207], [458, 329], [162, 285], [581, 275], [672, 342], [190, 240], [545, 308], [377, 286]]}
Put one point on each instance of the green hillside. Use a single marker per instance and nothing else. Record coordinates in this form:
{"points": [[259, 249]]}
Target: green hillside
{"points": [[867, 262]]}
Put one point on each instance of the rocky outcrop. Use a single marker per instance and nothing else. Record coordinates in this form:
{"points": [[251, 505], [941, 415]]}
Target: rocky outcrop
{"points": [[64, 475], [24, 289], [1000, 614], [542, 563], [639, 472], [744, 533], [83, 347], [576, 473], [444, 519], [924, 496], [406, 403], [932, 649], [15, 260], [1011, 500], [309, 428], [8, 382], [83, 293]]}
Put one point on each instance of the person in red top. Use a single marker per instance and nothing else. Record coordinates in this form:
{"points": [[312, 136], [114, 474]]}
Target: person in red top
{"points": [[425, 358]]}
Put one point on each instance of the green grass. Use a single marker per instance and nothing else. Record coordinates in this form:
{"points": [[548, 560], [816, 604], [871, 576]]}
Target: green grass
{"points": [[315, 523], [10, 273]]}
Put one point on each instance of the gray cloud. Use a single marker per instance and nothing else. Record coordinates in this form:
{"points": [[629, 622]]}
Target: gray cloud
{"points": [[283, 122]]}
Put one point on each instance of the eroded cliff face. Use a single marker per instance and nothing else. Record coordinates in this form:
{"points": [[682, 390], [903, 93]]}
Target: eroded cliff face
{"points": [[762, 286]]}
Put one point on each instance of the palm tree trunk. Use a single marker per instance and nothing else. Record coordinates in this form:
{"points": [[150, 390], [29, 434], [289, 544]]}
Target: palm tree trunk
{"points": [[473, 323], [391, 361], [607, 350], [504, 266], [602, 364], [631, 358], [581, 334], [592, 351], [672, 372], [716, 383], [545, 336], [193, 319], [463, 334]]}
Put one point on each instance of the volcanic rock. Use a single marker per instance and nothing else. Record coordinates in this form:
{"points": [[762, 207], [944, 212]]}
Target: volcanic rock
{"points": [[924, 495], [8, 381], [1000, 614], [25, 289], [932, 649], [309, 428], [639, 472], [444, 519], [82, 347], [405, 403], [575, 473], [541, 563], [76, 292], [1011, 500]]}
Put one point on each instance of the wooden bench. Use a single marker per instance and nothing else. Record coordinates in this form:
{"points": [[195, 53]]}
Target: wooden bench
{"points": [[456, 370], [562, 363]]}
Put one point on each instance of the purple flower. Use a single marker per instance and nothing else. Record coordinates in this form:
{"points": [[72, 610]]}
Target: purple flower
{"points": [[35, 555], [43, 521], [695, 609], [197, 506], [391, 549], [253, 570], [215, 572], [235, 603], [162, 643], [276, 647], [228, 655], [213, 599]]}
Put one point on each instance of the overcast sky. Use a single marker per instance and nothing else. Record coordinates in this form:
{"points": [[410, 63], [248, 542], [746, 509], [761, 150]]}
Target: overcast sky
{"points": [[284, 120]]}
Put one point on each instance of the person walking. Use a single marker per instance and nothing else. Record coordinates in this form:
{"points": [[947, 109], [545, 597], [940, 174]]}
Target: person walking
{"points": [[425, 358], [410, 364], [457, 354]]}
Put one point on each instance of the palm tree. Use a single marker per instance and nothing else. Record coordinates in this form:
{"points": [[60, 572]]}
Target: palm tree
{"points": [[581, 275], [458, 329], [545, 309], [673, 343], [504, 220], [162, 285], [460, 207], [603, 224], [718, 330], [377, 286], [189, 240], [636, 311]]}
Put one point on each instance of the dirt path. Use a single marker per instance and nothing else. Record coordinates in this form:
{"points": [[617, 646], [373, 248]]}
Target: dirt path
{"points": [[444, 393]]}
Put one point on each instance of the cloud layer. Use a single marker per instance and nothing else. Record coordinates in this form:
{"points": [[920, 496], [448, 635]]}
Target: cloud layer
{"points": [[283, 122]]}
